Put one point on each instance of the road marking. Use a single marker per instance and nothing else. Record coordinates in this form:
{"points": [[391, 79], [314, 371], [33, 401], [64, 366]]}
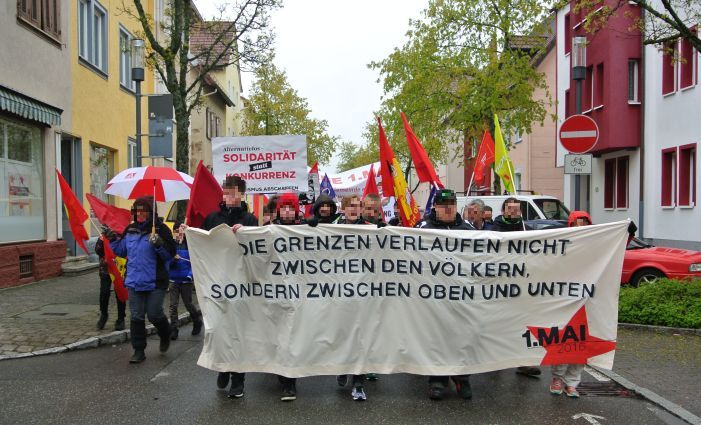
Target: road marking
{"points": [[161, 374], [592, 419], [597, 375]]}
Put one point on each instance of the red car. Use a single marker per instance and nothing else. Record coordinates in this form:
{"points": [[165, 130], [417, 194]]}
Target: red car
{"points": [[646, 263]]}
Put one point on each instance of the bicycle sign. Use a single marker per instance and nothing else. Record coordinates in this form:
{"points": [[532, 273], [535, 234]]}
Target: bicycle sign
{"points": [[578, 163]]}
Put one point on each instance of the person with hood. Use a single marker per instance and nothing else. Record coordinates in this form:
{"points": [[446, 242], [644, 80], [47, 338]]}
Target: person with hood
{"points": [[569, 375], [149, 247], [233, 211], [181, 285], [288, 214], [511, 219], [323, 211], [444, 215], [106, 289]]}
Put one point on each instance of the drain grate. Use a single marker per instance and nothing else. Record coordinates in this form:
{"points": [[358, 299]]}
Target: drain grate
{"points": [[603, 389], [26, 266]]}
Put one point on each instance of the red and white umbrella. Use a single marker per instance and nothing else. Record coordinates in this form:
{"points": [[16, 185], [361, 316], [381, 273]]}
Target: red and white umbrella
{"points": [[163, 183]]}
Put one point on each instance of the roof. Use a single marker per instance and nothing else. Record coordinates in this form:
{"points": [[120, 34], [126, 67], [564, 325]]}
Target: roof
{"points": [[203, 40]]}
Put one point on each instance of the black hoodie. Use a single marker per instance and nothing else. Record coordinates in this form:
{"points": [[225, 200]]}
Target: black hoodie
{"points": [[230, 216], [323, 200]]}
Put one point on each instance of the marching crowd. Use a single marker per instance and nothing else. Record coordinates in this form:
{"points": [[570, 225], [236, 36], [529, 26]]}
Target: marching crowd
{"points": [[158, 263]]}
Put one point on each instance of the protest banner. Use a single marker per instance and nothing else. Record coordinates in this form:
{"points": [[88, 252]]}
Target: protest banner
{"points": [[300, 301], [268, 164]]}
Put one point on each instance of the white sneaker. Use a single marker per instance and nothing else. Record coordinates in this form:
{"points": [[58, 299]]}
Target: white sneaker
{"points": [[359, 394]]}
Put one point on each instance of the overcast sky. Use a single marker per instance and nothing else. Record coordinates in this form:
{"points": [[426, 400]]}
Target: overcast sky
{"points": [[325, 46]]}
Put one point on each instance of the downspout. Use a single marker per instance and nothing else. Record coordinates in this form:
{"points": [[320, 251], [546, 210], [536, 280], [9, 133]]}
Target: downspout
{"points": [[641, 85]]}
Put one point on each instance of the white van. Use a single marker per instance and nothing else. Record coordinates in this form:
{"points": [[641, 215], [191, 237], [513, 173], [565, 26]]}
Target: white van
{"points": [[533, 207]]}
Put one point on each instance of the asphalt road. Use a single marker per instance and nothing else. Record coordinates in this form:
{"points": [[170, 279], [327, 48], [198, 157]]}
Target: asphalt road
{"points": [[100, 386]]}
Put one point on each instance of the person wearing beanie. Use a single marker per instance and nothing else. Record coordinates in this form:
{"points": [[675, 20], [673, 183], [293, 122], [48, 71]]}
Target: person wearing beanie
{"points": [[149, 247]]}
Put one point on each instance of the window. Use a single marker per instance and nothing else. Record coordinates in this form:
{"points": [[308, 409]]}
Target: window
{"points": [[633, 78], [518, 137], [669, 176], [687, 175], [208, 123], [131, 153], [44, 15], [616, 183], [568, 104], [669, 68], [101, 170], [588, 89], [217, 126], [609, 183], [125, 60], [568, 34], [21, 182], [687, 63], [598, 94], [622, 182], [92, 34]]}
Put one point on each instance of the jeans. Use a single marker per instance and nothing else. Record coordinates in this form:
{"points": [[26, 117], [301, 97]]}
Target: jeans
{"points": [[183, 290], [147, 303], [570, 374]]}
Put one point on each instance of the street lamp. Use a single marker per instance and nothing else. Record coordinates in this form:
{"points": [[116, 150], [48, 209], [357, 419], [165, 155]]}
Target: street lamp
{"points": [[138, 47], [579, 73]]}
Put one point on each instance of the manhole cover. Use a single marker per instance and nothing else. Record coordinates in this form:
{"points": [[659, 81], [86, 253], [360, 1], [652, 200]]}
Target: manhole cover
{"points": [[62, 311], [603, 389]]}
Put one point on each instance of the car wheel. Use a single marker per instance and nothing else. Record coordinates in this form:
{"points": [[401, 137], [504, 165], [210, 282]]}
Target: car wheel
{"points": [[646, 276]]}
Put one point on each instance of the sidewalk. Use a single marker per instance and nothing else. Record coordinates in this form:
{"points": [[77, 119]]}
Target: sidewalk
{"points": [[56, 313]]}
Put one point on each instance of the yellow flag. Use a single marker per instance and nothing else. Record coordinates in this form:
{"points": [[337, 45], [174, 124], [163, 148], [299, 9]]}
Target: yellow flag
{"points": [[502, 164]]}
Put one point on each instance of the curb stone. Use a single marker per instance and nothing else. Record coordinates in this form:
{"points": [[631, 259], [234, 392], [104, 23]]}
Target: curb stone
{"points": [[667, 329], [111, 338], [653, 397]]}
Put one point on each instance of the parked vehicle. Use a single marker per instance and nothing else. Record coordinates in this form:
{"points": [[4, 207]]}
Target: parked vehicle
{"points": [[533, 207], [645, 263]]}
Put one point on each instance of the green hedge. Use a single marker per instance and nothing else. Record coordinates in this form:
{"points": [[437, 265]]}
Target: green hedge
{"points": [[664, 303]]}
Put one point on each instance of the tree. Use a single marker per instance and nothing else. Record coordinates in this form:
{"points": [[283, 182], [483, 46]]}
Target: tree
{"points": [[241, 35], [663, 21], [465, 60], [274, 107]]}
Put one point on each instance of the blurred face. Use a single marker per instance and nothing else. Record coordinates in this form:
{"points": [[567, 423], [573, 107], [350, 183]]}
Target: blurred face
{"points": [[396, 209], [475, 214], [353, 210], [267, 217], [232, 197], [581, 222], [287, 213], [487, 215], [446, 212], [178, 234], [142, 214], [371, 209], [325, 210], [512, 210]]}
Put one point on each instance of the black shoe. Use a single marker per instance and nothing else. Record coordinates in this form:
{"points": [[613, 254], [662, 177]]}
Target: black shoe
{"points": [[119, 325], [101, 322], [462, 386], [174, 334], [138, 356], [223, 380], [342, 380], [436, 393], [197, 326], [528, 370], [289, 392], [236, 390]]}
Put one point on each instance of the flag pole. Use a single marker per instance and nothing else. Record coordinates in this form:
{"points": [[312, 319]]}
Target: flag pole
{"points": [[153, 207], [472, 178]]}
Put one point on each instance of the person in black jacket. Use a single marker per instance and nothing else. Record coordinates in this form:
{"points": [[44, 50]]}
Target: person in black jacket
{"points": [[397, 219], [233, 212], [105, 289], [445, 215], [148, 255], [511, 219], [323, 211]]}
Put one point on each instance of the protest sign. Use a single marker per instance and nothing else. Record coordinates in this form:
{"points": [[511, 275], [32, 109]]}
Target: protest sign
{"points": [[300, 301]]}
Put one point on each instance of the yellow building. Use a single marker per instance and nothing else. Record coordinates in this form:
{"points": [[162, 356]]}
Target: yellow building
{"points": [[101, 139]]}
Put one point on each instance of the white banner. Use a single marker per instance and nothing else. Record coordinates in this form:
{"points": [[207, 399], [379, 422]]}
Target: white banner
{"points": [[269, 164], [352, 182], [300, 301]]}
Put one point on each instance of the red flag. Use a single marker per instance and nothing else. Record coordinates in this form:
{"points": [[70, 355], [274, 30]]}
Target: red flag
{"points": [[75, 212], [424, 168], [485, 157], [205, 196], [371, 184], [116, 218], [117, 278], [394, 183], [315, 168]]}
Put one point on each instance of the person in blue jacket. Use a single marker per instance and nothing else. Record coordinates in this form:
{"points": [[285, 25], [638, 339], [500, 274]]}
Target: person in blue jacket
{"points": [[148, 257], [181, 285]]}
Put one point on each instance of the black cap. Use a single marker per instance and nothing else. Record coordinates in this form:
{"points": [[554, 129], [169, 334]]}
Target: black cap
{"points": [[445, 196]]}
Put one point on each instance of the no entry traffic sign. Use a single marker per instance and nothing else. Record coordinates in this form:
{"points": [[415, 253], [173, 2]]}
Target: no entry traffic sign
{"points": [[579, 134]]}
